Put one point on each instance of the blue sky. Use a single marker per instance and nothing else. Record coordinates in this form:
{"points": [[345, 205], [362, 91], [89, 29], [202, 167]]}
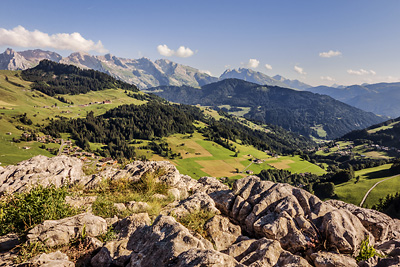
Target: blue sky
{"points": [[317, 42]]}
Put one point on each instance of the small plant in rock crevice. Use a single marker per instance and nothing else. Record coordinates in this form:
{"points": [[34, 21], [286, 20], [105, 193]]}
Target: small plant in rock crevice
{"points": [[367, 251]]}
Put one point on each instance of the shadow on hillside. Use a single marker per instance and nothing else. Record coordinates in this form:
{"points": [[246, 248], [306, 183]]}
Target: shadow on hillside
{"points": [[379, 174]]}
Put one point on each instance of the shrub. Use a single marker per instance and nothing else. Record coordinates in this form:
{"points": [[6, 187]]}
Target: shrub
{"points": [[104, 208], [195, 221], [366, 251], [20, 212]]}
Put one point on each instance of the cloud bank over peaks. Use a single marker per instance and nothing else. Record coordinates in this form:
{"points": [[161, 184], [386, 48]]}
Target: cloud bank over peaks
{"points": [[299, 70], [268, 67], [361, 72], [21, 37], [182, 51], [330, 53]]}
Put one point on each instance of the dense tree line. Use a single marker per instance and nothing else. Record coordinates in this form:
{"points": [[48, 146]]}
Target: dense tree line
{"points": [[120, 125], [274, 139], [389, 137], [389, 205], [54, 78]]}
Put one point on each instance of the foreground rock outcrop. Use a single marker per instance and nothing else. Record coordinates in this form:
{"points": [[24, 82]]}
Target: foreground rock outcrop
{"points": [[256, 223], [41, 170]]}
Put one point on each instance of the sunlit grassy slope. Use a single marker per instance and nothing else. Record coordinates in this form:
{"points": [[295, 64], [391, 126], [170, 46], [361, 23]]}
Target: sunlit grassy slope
{"points": [[354, 192]]}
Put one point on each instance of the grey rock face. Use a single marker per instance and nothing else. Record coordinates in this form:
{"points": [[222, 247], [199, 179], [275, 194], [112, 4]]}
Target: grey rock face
{"points": [[60, 232], [115, 252], [290, 215], [327, 259], [41, 170], [158, 244], [381, 226], [222, 232], [52, 259], [263, 252], [196, 202], [198, 258]]}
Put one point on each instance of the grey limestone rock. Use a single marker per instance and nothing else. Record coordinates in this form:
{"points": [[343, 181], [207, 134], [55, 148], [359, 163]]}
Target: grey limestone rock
{"points": [[52, 259], [199, 257], [53, 233], [41, 170], [328, 259], [222, 232]]}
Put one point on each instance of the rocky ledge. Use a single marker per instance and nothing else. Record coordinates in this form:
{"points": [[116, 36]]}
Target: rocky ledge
{"points": [[256, 223]]}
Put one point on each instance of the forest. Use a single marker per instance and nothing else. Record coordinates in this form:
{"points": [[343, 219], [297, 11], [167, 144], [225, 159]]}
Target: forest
{"points": [[53, 78]]}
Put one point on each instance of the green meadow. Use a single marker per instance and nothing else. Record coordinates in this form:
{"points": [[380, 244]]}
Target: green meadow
{"points": [[352, 192]]}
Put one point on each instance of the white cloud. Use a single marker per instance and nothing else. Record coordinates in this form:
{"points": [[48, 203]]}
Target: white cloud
{"points": [[21, 37], [299, 70], [268, 67], [182, 51], [327, 78], [165, 51], [330, 53], [253, 63], [361, 72]]}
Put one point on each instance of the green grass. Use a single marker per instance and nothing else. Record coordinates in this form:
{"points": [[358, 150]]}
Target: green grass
{"points": [[320, 130], [390, 126], [204, 158], [17, 100], [353, 193]]}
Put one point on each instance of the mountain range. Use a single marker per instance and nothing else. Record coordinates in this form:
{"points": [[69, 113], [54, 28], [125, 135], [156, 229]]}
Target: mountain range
{"points": [[142, 72], [303, 112], [380, 98]]}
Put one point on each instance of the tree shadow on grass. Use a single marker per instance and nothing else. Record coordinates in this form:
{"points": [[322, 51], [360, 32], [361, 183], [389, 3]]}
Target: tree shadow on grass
{"points": [[379, 174]]}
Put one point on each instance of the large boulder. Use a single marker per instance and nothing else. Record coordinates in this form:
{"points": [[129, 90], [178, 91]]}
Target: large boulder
{"points": [[380, 225], [344, 231], [196, 202], [52, 259], [59, 232], [199, 257], [328, 259], [115, 252], [222, 232], [158, 244], [292, 216], [263, 252], [41, 170]]}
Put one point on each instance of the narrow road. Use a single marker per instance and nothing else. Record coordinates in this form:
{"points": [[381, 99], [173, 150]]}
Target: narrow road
{"points": [[366, 195], [61, 146], [246, 167]]}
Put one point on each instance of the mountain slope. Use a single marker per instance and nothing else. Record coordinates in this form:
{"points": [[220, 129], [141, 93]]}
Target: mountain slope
{"points": [[384, 134], [380, 98], [302, 112], [142, 72], [295, 84]]}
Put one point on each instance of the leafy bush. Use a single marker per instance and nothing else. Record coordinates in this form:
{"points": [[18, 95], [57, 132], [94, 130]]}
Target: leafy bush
{"points": [[20, 212], [366, 251]]}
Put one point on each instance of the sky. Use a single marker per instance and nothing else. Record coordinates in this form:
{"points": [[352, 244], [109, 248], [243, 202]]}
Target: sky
{"points": [[319, 42]]}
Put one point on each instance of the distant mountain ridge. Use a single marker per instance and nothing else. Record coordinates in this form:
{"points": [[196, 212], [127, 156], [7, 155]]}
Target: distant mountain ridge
{"points": [[380, 98], [142, 72], [299, 111]]}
